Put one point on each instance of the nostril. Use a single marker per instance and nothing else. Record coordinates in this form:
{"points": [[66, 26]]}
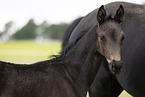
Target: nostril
{"points": [[119, 66], [113, 67], [113, 61], [116, 66]]}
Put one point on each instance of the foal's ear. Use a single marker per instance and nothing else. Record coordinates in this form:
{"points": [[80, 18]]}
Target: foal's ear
{"points": [[119, 14], [101, 14]]}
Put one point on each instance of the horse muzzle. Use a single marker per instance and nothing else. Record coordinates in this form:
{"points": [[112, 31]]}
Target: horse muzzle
{"points": [[115, 66]]}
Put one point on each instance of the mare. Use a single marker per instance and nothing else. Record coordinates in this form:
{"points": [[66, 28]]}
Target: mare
{"points": [[131, 79], [69, 31], [71, 73]]}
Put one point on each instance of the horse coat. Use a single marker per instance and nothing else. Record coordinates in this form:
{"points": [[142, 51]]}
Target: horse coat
{"points": [[131, 78]]}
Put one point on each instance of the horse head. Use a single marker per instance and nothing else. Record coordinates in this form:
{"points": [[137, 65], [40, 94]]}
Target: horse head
{"points": [[110, 37]]}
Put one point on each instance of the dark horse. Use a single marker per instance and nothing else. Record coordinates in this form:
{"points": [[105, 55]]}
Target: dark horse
{"points": [[70, 74], [133, 54], [69, 31]]}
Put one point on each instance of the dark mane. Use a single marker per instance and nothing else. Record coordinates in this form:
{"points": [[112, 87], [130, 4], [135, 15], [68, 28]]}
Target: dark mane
{"points": [[55, 60], [69, 46], [69, 31]]}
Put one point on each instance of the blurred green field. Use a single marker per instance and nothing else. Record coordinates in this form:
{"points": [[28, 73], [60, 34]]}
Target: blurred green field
{"points": [[30, 52]]}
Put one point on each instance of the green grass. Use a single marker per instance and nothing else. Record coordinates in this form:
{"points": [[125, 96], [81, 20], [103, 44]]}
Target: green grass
{"points": [[30, 52], [124, 94], [27, 51]]}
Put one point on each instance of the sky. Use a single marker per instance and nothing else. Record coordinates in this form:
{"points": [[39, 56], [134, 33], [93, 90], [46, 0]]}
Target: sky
{"points": [[54, 11]]}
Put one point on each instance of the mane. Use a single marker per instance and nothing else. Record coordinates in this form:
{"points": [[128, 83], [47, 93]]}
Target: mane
{"points": [[69, 46], [54, 58], [69, 31]]}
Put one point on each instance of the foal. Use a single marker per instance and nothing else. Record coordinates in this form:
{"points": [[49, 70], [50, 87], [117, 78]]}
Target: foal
{"points": [[68, 75]]}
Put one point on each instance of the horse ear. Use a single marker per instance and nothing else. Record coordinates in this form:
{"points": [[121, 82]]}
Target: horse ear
{"points": [[119, 14], [101, 14]]}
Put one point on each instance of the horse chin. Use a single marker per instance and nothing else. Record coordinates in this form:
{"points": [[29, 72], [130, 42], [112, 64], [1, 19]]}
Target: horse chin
{"points": [[115, 68]]}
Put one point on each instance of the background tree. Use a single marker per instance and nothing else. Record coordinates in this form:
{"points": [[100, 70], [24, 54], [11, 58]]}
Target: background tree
{"points": [[7, 32], [7, 28], [26, 32], [55, 31], [41, 30]]}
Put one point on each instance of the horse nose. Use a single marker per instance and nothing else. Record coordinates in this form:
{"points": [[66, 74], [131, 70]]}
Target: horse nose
{"points": [[116, 66]]}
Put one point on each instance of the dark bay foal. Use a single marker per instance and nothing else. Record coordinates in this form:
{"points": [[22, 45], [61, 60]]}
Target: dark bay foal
{"points": [[68, 75]]}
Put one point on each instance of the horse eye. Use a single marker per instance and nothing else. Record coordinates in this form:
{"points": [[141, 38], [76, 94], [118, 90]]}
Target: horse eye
{"points": [[102, 37]]}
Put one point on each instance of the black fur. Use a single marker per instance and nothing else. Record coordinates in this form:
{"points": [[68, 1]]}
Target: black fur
{"points": [[130, 78], [67, 75], [68, 31]]}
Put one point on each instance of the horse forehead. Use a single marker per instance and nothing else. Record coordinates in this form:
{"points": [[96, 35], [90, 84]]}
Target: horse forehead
{"points": [[110, 25], [111, 28]]}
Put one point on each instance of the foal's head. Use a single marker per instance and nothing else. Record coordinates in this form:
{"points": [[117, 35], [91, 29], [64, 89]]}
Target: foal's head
{"points": [[110, 37]]}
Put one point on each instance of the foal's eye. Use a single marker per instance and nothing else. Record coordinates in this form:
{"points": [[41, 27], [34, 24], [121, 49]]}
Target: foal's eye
{"points": [[102, 37]]}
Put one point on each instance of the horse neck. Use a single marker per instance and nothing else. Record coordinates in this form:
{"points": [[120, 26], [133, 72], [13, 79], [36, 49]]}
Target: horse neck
{"points": [[84, 55]]}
